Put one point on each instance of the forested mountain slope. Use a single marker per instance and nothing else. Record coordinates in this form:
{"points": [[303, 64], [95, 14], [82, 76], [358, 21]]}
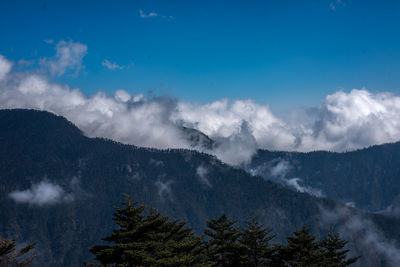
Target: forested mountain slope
{"points": [[367, 178], [58, 187]]}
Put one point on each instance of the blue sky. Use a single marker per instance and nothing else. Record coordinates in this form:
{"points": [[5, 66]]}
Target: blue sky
{"points": [[282, 53]]}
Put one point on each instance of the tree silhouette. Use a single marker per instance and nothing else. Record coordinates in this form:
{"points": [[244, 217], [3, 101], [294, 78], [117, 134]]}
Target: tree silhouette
{"points": [[223, 246], [335, 254], [10, 256], [255, 238], [302, 250], [148, 240]]}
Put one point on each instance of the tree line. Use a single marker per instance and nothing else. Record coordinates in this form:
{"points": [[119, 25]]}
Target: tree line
{"points": [[146, 238]]}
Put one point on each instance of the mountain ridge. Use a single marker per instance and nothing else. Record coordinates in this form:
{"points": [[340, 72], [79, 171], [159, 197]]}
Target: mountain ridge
{"points": [[92, 174], [367, 178]]}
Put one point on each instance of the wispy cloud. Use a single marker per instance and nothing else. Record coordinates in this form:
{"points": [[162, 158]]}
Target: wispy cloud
{"points": [[295, 183], [148, 15], [202, 173], [22, 63], [114, 66], [48, 41], [336, 4], [278, 170], [69, 56], [43, 193], [152, 14], [164, 189]]}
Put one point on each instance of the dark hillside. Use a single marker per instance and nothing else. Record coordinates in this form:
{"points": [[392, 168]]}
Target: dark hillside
{"points": [[370, 178], [91, 175]]}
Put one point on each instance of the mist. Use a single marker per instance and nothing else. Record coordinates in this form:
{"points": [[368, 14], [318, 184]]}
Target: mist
{"points": [[352, 225]]}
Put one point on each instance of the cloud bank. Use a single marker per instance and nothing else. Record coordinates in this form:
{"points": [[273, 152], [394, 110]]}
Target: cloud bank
{"points": [[344, 120], [349, 121], [43, 193]]}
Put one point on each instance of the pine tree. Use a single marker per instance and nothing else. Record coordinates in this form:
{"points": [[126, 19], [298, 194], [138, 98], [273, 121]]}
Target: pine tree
{"points": [[256, 239], [335, 255], [302, 250], [172, 244], [10, 256], [127, 247], [223, 246], [148, 240]]}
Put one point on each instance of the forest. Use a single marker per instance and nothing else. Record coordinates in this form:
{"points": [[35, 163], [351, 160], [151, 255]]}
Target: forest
{"points": [[144, 237], [90, 176]]}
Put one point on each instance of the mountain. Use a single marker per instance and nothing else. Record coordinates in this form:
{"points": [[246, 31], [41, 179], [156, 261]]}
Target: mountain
{"points": [[58, 187], [368, 179], [197, 139]]}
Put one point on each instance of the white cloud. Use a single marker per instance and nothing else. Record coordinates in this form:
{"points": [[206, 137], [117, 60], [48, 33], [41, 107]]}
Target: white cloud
{"points": [[43, 193], [237, 148], [343, 121], [69, 56], [137, 98], [5, 67], [225, 119], [358, 119], [34, 85], [138, 121], [122, 95], [143, 15]]}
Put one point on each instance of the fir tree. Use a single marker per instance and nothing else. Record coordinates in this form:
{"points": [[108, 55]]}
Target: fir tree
{"points": [[10, 256], [335, 255], [128, 239], [148, 240], [223, 246], [302, 250], [256, 239], [172, 244]]}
